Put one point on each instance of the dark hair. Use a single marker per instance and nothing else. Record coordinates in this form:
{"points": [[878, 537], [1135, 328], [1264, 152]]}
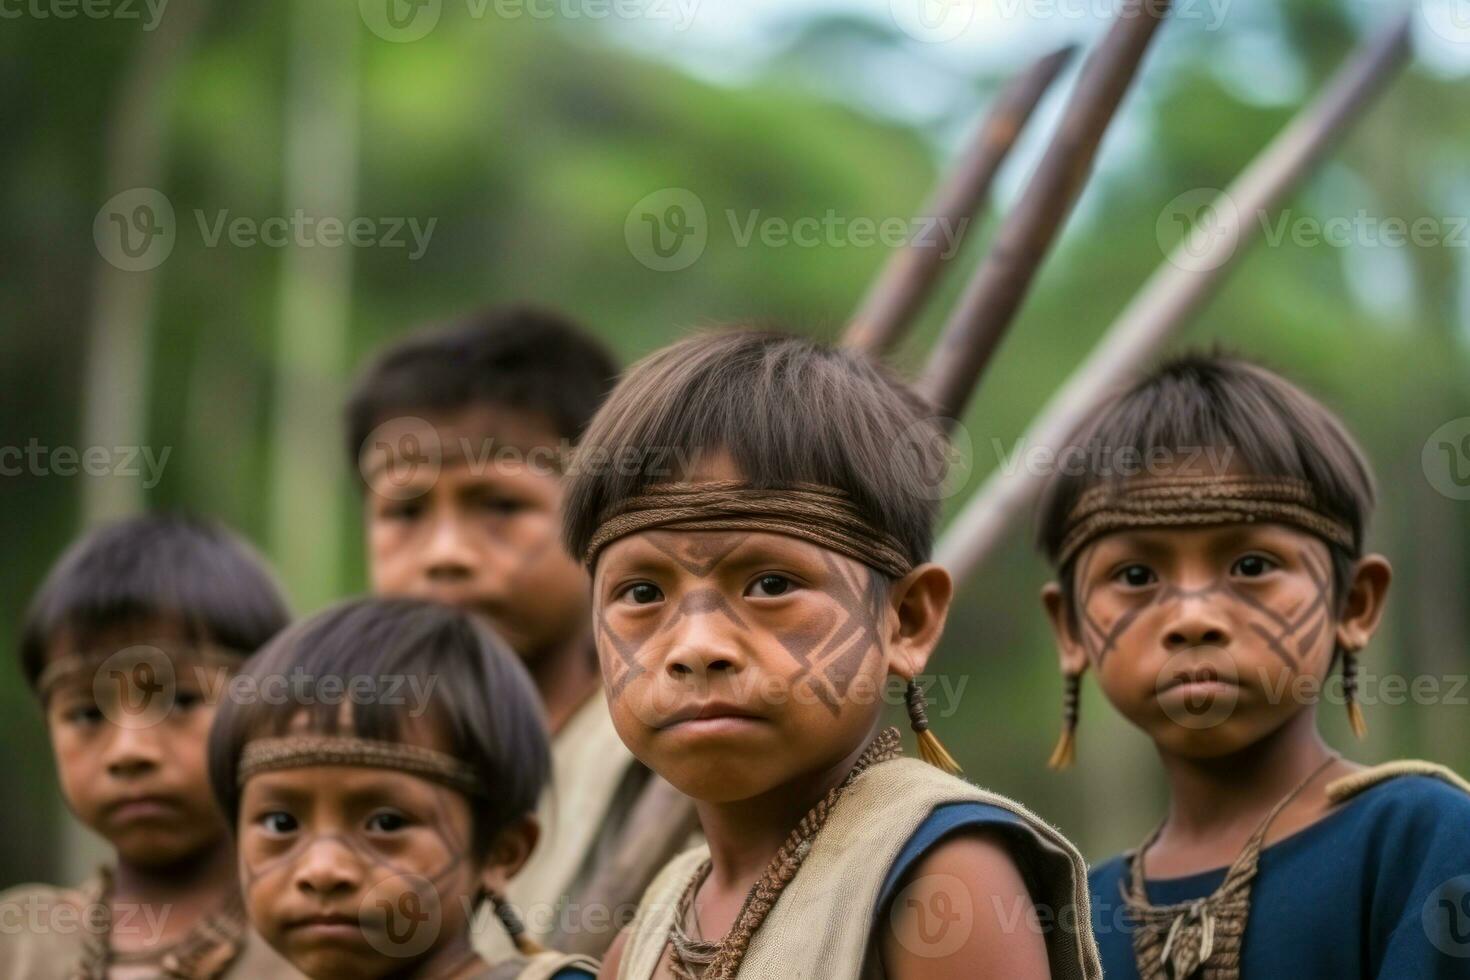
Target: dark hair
{"points": [[515, 357], [786, 409], [482, 700], [1216, 401], [159, 566]]}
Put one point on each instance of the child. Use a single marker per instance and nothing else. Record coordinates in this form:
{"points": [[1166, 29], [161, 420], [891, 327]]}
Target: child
{"points": [[749, 611], [387, 795], [1213, 595], [492, 405], [127, 645]]}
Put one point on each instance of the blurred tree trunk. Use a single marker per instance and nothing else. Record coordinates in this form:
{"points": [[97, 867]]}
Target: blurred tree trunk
{"points": [[120, 328], [315, 305]]}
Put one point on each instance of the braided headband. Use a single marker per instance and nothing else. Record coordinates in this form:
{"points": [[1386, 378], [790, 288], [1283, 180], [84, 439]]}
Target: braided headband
{"points": [[1196, 501], [824, 516], [89, 663], [301, 751]]}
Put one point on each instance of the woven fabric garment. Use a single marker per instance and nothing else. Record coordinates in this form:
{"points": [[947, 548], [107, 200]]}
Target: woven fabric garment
{"points": [[300, 751], [821, 927], [542, 966]]}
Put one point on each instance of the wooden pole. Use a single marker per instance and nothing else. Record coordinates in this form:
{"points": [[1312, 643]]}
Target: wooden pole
{"points": [[907, 279], [1176, 290], [995, 293]]}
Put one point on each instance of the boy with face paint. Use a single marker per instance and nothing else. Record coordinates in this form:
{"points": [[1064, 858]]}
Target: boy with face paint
{"points": [[372, 827], [127, 644], [1212, 596], [461, 434], [749, 611]]}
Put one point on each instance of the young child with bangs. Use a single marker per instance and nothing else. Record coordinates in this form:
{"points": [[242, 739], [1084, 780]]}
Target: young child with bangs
{"points": [[127, 645], [749, 611], [1214, 596], [372, 827]]}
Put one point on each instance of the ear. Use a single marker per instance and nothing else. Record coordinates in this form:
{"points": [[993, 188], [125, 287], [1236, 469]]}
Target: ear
{"points": [[509, 853], [920, 605], [1362, 606], [1071, 655]]}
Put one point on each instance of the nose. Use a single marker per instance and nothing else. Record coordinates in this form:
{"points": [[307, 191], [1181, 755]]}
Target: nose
{"points": [[327, 867], [448, 555], [704, 637], [1196, 621], [132, 752]]}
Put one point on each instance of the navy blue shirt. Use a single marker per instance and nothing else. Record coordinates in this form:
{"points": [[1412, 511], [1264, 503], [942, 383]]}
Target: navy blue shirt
{"points": [[1379, 888]]}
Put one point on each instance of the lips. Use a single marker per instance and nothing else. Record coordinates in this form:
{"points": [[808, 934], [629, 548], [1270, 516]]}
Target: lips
{"points": [[327, 926], [709, 711], [155, 806], [1198, 679]]}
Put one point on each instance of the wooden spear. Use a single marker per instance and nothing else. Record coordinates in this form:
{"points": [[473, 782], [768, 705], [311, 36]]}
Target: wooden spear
{"points": [[995, 293], [1197, 265], [899, 292]]}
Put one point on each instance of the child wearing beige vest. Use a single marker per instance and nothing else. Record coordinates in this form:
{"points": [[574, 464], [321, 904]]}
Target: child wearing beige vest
{"points": [[751, 610]]}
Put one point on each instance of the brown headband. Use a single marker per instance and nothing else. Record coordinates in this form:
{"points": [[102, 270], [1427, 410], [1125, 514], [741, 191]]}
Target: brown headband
{"points": [[89, 662], [301, 751], [1197, 501], [825, 516]]}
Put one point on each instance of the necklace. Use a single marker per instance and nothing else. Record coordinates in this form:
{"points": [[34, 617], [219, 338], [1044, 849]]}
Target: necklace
{"points": [[1174, 942], [203, 954], [694, 958]]}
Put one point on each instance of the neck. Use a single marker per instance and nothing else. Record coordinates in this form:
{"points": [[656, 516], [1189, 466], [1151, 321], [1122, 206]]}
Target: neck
{"points": [[456, 960], [1208, 796], [565, 675], [210, 875], [746, 834]]}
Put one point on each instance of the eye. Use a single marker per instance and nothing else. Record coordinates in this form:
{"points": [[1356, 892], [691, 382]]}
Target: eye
{"points": [[1135, 576], [386, 821], [769, 586], [643, 593], [500, 506], [1252, 566], [402, 510], [185, 700], [278, 822], [82, 715]]}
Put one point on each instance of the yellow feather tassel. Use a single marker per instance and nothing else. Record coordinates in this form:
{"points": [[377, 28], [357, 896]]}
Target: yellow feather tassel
{"points": [[1356, 720], [934, 753], [1066, 750]]}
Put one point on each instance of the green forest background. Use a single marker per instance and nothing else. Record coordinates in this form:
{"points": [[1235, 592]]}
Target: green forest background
{"points": [[529, 142]]}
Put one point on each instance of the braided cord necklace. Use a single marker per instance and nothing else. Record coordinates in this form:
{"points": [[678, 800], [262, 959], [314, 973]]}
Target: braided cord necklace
{"points": [[204, 953], [694, 958], [1204, 936]]}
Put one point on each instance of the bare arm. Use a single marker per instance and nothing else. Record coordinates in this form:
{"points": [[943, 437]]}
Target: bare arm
{"points": [[963, 913], [614, 957]]}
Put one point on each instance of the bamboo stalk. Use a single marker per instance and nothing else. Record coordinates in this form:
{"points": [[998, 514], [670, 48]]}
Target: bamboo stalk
{"points": [[998, 288], [907, 279], [1176, 290]]}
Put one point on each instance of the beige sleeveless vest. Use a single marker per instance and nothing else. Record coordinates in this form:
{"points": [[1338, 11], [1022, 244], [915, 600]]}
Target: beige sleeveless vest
{"points": [[822, 925]]}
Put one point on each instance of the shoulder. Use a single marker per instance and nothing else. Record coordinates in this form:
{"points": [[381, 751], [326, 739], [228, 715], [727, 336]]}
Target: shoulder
{"points": [[946, 823], [41, 930], [1102, 874], [1411, 803]]}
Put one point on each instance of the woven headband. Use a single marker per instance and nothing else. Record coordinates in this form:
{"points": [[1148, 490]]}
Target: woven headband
{"points": [[824, 516], [1184, 501], [301, 751], [90, 662]]}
